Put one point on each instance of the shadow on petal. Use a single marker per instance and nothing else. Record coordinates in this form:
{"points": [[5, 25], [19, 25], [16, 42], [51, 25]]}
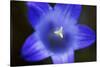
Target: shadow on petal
{"points": [[33, 49]]}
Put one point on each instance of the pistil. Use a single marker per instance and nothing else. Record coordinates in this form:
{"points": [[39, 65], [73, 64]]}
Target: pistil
{"points": [[59, 32]]}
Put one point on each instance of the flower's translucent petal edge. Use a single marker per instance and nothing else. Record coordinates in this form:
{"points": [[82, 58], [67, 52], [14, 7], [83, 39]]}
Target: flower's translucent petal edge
{"points": [[68, 13], [36, 10], [85, 37], [33, 49], [68, 57]]}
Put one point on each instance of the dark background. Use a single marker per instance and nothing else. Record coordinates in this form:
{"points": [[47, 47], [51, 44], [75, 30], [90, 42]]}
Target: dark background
{"points": [[20, 30]]}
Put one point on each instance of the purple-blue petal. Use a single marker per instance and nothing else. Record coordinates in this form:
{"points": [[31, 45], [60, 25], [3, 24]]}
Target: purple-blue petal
{"points": [[67, 57], [68, 13], [36, 10], [85, 37], [70, 57], [33, 49]]}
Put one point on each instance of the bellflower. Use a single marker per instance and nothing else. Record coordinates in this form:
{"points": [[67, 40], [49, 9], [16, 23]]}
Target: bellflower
{"points": [[57, 32]]}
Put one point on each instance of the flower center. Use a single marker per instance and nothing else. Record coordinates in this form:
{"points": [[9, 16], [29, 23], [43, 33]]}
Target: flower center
{"points": [[59, 32], [58, 42], [54, 39]]}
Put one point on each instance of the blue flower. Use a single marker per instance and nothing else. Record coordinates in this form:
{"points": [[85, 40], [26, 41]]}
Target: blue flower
{"points": [[57, 32]]}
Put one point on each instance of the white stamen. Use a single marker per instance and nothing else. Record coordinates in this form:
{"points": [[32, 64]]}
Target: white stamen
{"points": [[59, 32]]}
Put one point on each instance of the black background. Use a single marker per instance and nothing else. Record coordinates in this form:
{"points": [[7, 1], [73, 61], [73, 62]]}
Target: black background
{"points": [[20, 30]]}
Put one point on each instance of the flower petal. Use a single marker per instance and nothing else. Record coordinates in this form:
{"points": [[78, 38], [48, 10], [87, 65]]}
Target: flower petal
{"points": [[85, 37], [68, 57], [33, 49], [36, 10], [69, 13]]}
